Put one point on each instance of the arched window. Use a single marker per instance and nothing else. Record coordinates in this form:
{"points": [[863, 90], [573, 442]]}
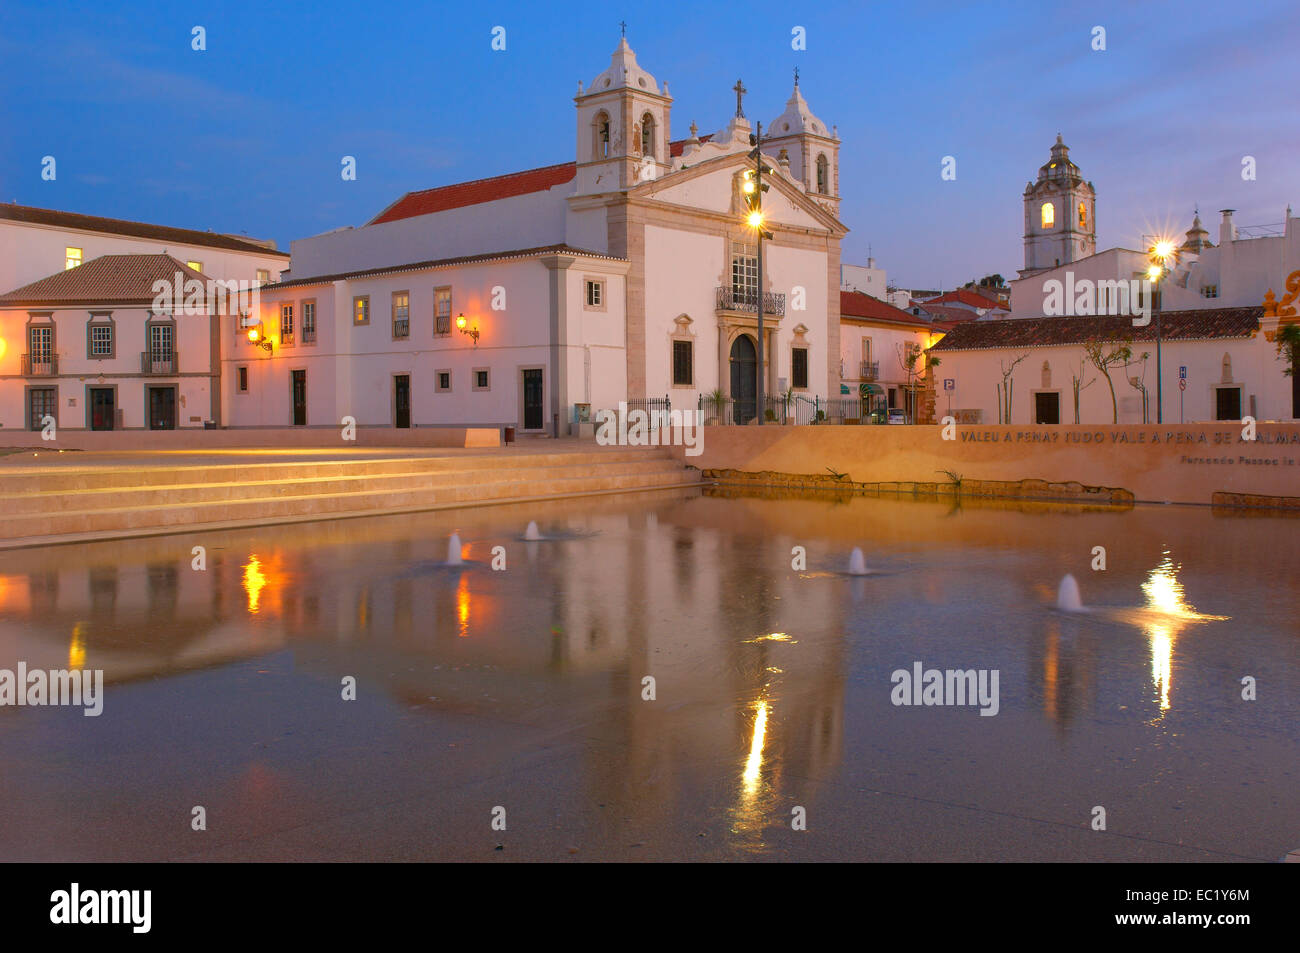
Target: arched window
{"points": [[823, 175], [648, 135], [600, 136], [1083, 215], [1049, 215]]}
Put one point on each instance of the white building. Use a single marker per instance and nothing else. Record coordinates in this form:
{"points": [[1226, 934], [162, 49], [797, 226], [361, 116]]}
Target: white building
{"points": [[876, 342], [627, 274], [1060, 225]]}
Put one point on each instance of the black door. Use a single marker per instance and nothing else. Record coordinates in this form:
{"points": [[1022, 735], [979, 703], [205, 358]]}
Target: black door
{"points": [[533, 399], [402, 401], [744, 378], [300, 398], [162, 408], [1047, 408], [101, 408], [1227, 403]]}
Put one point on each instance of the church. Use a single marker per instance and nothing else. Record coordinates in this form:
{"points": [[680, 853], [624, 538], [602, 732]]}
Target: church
{"points": [[535, 299]]}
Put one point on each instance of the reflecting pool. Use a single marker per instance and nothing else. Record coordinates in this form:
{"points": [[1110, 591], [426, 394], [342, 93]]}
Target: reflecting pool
{"points": [[662, 676]]}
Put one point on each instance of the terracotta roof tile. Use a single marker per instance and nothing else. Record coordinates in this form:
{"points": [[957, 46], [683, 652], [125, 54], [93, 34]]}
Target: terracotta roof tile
{"points": [[463, 194], [1199, 325], [117, 226], [965, 296], [109, 279], [856, 304]]}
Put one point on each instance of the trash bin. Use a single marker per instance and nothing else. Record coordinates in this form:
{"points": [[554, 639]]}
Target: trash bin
{"points": [[509, 435]]}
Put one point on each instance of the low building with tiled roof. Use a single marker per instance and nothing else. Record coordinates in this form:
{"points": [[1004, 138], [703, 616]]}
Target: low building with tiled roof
{"points": [[1215, 365], [875, 341], [121, 342]]}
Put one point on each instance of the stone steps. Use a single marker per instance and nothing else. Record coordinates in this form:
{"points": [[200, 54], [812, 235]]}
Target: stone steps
{"points": [[74, 502]]}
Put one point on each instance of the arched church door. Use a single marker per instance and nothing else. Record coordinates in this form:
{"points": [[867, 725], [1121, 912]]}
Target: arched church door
{"points": [[744, 378]]}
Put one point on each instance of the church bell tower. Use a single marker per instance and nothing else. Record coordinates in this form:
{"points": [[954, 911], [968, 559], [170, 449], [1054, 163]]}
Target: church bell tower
{"points": [[1059, 214]]}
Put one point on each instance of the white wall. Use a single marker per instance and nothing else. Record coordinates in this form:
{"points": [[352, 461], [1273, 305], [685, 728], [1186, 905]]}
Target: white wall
{"points": [[31, 252]]}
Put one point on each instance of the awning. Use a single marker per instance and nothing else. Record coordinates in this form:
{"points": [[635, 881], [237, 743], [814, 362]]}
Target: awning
{"points": [[865, 390]]}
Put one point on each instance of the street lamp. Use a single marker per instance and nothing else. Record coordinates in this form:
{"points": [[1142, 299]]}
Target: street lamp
{"points": [[753, 187], [1162, 253], [462, 327], [256, 335]]}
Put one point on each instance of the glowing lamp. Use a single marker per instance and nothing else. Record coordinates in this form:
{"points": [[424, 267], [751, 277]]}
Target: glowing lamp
{"points": [[462, 325]]}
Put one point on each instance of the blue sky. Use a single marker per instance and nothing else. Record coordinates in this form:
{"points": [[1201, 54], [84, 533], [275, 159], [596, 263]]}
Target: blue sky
{"points": [[247, 136]]}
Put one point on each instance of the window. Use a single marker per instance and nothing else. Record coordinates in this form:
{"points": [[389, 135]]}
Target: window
{"points": [[309, 322], [40, 343], [42, 402], [263, 276], [595, 296], [648, 135], [442, 310], [823, 175], [160, 343], [196, 265], [361, 309], [799, 367], [481, 378], [286, 325], [1049, 215], [1083, 215], [401, 314], [1210, 291], [442, 382], [101, 339], [72, 257], [744, 275], [242, 377], [683, 363]]}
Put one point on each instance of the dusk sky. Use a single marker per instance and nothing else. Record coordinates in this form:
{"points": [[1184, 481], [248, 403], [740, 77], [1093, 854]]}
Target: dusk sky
{"points": [[248, 135]]}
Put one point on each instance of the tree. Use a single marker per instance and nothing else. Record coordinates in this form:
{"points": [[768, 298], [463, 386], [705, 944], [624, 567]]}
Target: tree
{"points": [[1006, 388], [1079, 385], [909, 356], [988, 281], [1139, 384], [1288, 347], [1105, 354]]}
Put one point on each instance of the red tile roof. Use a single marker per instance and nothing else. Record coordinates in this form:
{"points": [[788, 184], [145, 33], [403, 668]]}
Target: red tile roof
{"points": [[967, 297], [856, 304], [950, 313], [1201, 325], [109, 279], [117, 226], [463, 194]]}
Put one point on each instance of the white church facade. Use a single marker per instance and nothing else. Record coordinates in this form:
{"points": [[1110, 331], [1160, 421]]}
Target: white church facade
{"points": [[533, 299]]}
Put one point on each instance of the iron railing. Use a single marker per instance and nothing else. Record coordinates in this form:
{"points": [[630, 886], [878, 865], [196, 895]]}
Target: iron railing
{"points": [[870, 370], [158, 362], [39, 365], [746, 301], [402, 328]]}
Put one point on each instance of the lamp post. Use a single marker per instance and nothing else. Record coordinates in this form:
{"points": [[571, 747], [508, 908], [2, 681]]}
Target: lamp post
{"points": [[754, 188], [1162, 252]]}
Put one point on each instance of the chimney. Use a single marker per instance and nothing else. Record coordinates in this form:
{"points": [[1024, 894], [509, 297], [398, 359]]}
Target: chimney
{"points": [[1227, 231]]}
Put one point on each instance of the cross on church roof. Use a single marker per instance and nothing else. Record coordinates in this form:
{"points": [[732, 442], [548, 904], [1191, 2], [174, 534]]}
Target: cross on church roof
{"points": [[796, 76], [740, 92], [622, 27]]}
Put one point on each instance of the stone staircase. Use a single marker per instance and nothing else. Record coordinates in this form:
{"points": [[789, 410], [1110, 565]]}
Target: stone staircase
{"points": [[41, 505]]}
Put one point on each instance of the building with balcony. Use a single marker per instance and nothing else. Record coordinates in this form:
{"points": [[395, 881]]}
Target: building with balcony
{"points": [[90, 348], [877, 342], [626, 274]]}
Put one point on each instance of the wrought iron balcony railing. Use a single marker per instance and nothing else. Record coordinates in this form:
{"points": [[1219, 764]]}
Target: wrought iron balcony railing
{"points": [[745, 301], [870, 370], [158, 362], [40, 365]]}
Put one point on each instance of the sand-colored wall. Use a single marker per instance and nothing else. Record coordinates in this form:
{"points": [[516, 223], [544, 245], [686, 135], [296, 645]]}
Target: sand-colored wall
{"points": [[1170, 463], [286, 438]]}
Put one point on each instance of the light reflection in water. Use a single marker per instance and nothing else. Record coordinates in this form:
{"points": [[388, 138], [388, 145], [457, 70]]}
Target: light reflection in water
{"points": [[77, 647], [754, 764], [1165, 595], [254, 582], [462, 607]]}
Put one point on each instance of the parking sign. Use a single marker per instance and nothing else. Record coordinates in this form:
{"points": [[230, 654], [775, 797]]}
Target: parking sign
{"points": [[1182, 372], [949, 384]]}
